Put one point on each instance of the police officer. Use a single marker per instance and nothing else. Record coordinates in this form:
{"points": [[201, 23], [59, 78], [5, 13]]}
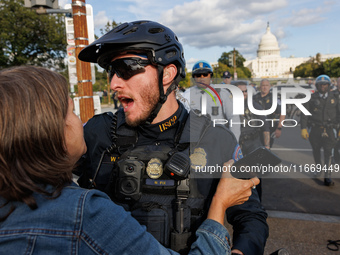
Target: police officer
{"points": [[151, 156], [337, 146], [219, 104], [250, 134], [252, 131], [265, 99], [226, 77], [321, 126]]}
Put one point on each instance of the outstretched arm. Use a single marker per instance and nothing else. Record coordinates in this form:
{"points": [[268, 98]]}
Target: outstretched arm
{"points": [[230, 191]]}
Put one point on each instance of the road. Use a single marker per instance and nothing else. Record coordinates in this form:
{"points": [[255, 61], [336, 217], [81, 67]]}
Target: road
{"points": [[299, 192]]}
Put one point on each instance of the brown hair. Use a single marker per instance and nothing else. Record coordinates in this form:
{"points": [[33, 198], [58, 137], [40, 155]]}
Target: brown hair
{"points": [[33, 107]]}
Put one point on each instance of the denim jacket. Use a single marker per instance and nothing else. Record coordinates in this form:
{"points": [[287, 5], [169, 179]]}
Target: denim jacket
{"points": [[82, 221]]}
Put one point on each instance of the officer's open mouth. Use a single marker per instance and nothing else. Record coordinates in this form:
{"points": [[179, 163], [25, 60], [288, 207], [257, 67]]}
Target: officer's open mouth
{"points": [[126, 102]]}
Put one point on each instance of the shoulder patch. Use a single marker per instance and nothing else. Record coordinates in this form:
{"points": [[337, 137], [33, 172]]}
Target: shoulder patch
{"points": [[237, 155]]}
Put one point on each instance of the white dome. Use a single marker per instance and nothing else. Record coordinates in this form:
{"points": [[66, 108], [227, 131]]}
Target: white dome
{"points": [[268, 45]]}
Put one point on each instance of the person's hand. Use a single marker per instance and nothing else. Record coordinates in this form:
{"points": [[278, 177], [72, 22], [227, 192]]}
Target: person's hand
{"points": [[277, 133], [230, 191], [304, 133]]}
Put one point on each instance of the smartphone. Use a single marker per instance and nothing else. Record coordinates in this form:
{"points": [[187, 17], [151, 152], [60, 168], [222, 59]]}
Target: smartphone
{"points": [[255, 164]]}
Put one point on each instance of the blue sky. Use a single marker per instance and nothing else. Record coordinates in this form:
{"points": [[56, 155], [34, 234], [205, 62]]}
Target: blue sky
{"points": [[207, 28]]}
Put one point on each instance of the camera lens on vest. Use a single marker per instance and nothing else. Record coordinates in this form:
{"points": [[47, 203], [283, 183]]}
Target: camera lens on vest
{"points": [[130, 169]]}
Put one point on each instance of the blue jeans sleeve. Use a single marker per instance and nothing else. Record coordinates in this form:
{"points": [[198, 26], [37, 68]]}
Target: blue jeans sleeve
{"points": [[107, 227], [212, 238]]}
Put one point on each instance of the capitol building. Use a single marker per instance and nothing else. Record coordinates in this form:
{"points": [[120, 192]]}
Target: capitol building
{"points": [[269, 63]]}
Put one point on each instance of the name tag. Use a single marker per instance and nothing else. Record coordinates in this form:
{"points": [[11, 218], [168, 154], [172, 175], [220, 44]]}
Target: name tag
{"points": [[164, 183]]}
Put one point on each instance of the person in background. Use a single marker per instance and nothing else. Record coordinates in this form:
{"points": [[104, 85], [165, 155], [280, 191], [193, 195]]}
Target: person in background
{"points": [[254, 88], [226, 77], [100, 94], [250, 138], [114, 99], [43, 211], [219, 106], [337, 146], [265, 99], [105, 96], [310, 84], [321, 126]]}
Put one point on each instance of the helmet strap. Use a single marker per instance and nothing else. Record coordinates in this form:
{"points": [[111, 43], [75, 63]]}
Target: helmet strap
{"points": [[162, 97]]}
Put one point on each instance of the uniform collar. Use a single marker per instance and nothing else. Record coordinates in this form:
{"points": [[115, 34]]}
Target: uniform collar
{"points": [[323, 95]]}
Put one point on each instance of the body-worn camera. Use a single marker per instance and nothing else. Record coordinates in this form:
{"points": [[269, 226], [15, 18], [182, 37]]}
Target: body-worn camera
{"points": [[130, 178], [159, 168]]}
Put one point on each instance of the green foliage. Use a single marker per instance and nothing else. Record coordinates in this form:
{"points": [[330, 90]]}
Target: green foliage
{"points": [[29, 38], [332, 67], [221, 68], [315, 67], [101, 80], [242, 72], [185, 83], [224, 59]]}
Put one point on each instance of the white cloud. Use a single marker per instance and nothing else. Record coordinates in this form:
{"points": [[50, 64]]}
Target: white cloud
{"points": [[203, 24], [284, 46], [63, 2], [100, 20], [305, 17]]}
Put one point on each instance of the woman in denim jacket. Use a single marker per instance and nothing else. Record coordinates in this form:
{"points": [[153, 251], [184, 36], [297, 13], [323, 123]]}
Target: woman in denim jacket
{"points": [[42, 211]]}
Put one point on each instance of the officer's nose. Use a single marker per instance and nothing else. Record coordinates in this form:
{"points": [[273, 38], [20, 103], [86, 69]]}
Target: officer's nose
{"points": [[116, 83]]}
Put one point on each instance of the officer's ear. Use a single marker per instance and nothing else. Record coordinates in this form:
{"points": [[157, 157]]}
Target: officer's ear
{"points": [[169, 74]]}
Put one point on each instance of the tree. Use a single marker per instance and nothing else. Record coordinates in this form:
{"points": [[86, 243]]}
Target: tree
{"points": [[332, 67], [101, 80], [304, 70], [185, 83], [224, 59], [108, 27], [223, 65], [29, 38], [314, 67]]}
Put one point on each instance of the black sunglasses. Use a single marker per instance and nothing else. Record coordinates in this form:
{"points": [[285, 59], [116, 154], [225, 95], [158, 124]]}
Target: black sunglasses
{"points": [[200, 74], [125, 68]]}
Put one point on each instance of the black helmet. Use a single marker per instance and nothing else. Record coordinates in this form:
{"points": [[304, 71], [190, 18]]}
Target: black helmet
{"points": [[322, 79], [159, 42]]}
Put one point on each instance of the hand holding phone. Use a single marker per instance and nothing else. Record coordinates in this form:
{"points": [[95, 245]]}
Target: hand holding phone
{"points": [[251, 165]]}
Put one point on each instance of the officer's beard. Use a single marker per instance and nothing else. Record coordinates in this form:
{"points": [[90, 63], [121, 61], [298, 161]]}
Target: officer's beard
{"points": [[150, 98]]}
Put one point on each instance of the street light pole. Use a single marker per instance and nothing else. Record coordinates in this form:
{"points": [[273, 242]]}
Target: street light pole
{"points": [[83, 68]]}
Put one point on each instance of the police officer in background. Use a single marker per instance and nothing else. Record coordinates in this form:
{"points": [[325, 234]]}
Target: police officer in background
{"points": [[226, 77], [321, 126], [337, 146], [250, 138], [146, 156], [265, 99], [202, 73]]}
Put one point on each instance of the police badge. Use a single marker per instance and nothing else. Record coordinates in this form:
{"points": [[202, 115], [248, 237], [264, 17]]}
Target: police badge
{"points": [[154, 168], [198, 158]]}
